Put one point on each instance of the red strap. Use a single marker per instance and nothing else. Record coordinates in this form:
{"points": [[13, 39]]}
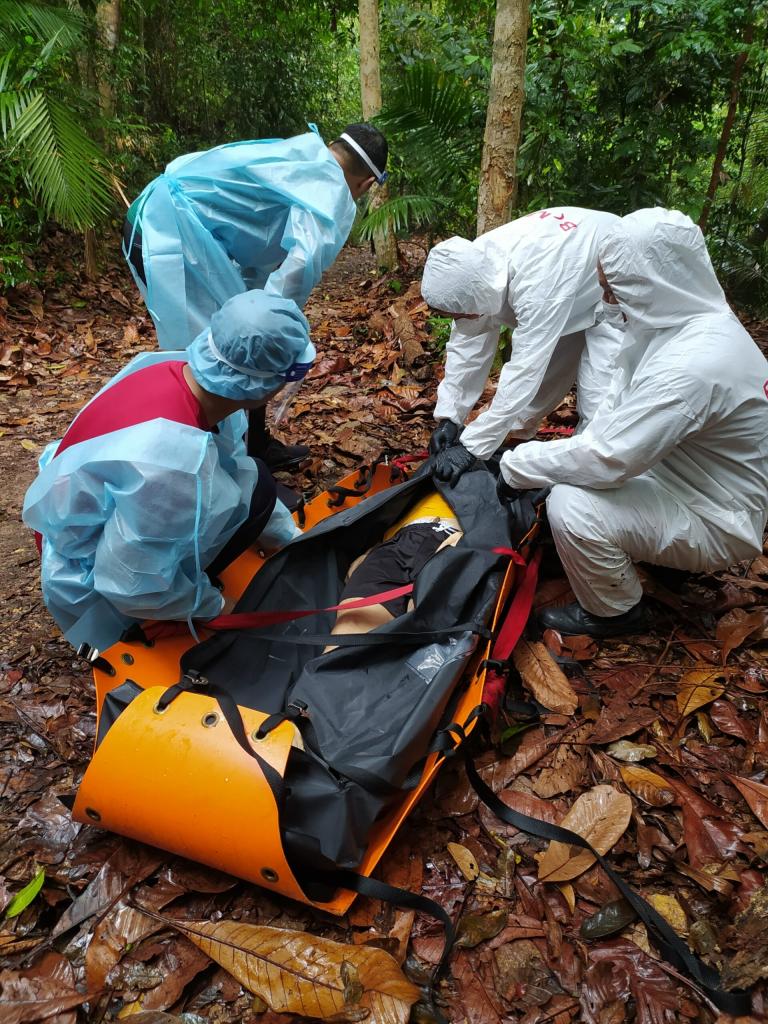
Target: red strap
{"points": [[250, 620], [401, 461], [519, 608]]}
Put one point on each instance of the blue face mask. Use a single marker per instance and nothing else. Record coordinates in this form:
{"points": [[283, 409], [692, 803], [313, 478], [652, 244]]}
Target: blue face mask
{"points": [[298, 371]]}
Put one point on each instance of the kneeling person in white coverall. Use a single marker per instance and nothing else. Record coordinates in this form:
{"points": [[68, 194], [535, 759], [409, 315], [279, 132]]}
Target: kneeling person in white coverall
{"points": [[673, 468], [536, 275]]}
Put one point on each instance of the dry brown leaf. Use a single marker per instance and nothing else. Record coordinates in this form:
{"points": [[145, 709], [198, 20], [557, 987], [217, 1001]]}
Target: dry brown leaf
{"points": [[624, 750], [699, 687], [670, 910], [295, 972], [737, 626], [756, 795], [466, 860], [600, 816], [565, 773], [544, 678], [651, 787]]}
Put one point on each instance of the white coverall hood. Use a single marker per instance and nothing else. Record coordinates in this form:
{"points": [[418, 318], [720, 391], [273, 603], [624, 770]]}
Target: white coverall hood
{"points": [[673, 468], [538, 276], [657, 265], [463, 277]]}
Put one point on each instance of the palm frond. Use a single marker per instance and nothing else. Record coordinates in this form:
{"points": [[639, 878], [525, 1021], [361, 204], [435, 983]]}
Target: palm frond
{"points": [[401, 212], [39, 20], [65, 169], [436, 118]]}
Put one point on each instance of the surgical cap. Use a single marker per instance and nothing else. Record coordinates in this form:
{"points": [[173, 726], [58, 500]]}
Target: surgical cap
{"points": [[254, 341], [465, 277]]}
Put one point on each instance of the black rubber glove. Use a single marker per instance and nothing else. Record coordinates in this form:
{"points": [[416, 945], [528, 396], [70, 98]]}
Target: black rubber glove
{"points": [[445, 434], [451, 463], [505, 492]]}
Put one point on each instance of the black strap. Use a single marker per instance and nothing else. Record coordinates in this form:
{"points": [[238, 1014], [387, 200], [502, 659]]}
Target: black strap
{"points": [[671, 946], [194, 681], [373, 639]]}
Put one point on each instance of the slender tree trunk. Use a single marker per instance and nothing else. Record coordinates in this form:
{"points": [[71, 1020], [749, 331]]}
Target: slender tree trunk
{"points": [[108, 33], [498, 179], [370, 93], [725, 134]]}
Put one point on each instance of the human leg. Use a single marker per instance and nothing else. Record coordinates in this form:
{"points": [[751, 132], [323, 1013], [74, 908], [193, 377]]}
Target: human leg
{"points": [[263, 445], [601, 534]]}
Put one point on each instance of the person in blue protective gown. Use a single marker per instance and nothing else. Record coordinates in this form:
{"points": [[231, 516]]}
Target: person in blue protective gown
{"points": [[269, 214], [150, 492]]}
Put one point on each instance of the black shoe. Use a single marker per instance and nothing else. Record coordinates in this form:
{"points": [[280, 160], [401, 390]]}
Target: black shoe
{"points": [[280, 456], [575, 620]]}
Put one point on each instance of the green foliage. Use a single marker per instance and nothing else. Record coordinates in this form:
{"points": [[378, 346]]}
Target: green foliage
{"points": [[432, 121], [42, 140], [24, 896], [248, 68]]}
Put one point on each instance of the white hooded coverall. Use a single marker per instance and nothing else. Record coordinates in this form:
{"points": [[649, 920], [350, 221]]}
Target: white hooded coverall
{"points": [[537, 275], [673, 468]]}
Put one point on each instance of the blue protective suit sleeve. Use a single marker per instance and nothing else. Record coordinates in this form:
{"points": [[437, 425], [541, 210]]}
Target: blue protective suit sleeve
{"points": [[280, 530], [149, 557], [312, 245]]}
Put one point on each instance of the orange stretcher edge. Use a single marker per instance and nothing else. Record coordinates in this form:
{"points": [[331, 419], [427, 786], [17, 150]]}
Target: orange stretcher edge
{"points": [[178, 780]]}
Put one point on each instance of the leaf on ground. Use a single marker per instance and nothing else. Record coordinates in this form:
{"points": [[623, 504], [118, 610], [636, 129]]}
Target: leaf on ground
{"points": [[553, 594], [24, 896], [619, 719], [577, 648], [670, 910], [608, 920], [623, 750], [544, 678], [699, 687], [565, 772], [738, 626], [473, 929], [465, 859], [727, 719], [295, 972], [600, 816], [756, 795], [45, 991], [649, 786]]}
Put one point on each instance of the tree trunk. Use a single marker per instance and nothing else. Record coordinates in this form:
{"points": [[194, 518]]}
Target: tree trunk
{"points": [[725, 134], [108, 33], [498, 180], [370, 93]]}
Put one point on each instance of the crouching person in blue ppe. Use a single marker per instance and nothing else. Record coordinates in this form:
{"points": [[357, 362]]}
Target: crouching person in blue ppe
{"points": [[673, 467], [150, 492], [270, 214]]}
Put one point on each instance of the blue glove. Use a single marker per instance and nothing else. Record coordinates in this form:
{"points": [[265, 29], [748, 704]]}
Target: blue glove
{"points": [[445, 435], [450, 463]]}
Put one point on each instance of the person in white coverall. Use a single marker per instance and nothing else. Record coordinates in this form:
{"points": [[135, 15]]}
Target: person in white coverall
{"points": [[536, 275], [673, 468]]}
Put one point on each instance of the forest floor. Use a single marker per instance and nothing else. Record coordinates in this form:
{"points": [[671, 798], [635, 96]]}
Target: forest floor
{"points": [[667, 746]]}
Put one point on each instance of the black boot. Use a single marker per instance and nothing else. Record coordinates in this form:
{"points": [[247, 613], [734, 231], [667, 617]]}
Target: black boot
{"points": [[282, 456], [575, 620], [262, 445]]}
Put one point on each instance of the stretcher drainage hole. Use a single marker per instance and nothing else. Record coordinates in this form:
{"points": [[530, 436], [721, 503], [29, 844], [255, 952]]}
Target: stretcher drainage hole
{"points": [[93, 815], [269, 875], [127, 658], [210, 719]]}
